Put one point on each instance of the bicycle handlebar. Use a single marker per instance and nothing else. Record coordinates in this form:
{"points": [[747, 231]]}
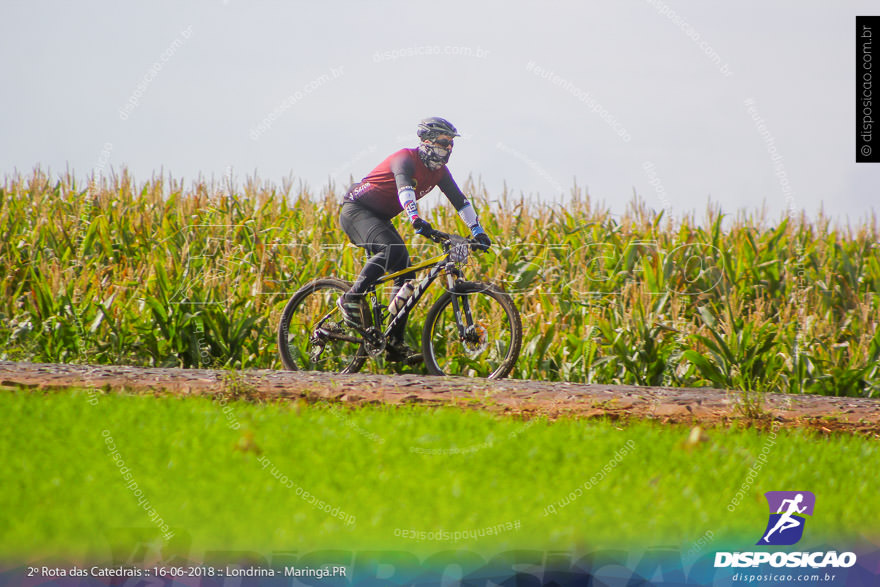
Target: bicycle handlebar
{"points": [[444, 238], [435, 235]]}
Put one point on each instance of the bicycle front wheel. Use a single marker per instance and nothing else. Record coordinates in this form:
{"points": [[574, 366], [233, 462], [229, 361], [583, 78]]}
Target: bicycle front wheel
{"points": [[312, 335], [481, 339]]}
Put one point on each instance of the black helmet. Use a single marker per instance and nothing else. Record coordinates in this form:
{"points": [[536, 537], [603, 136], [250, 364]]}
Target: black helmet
{"points": [[432, 127]]}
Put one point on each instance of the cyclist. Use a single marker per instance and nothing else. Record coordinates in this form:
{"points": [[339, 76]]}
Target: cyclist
{"points": [[393, 187]]}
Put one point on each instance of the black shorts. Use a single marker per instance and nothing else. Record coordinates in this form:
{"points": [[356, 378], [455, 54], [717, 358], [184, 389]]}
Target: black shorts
{"points": [[376, 234]]}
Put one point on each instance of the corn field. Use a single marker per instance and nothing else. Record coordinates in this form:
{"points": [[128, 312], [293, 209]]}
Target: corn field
{"points": [[159, 274]]}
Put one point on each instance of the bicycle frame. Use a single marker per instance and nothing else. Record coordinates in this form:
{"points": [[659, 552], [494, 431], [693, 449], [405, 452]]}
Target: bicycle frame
{"points": [[437, 265]]}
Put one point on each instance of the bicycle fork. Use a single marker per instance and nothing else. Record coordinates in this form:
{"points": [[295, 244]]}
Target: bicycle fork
{"points": [[457, 308], [467, 328]]}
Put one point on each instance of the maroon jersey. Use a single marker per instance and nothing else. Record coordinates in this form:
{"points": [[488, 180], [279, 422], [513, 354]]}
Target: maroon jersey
{"points": [[404, 168]]}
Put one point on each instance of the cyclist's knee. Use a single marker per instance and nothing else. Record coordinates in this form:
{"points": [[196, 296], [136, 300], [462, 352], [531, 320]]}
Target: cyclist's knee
{"points": [[398, 257]]}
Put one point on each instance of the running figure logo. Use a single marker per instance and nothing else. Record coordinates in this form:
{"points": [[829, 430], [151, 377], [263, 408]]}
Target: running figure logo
{"points": [[787, 511]]}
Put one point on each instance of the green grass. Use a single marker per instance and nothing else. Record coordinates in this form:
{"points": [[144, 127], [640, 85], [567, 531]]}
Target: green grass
{"points": [[394, 470]]}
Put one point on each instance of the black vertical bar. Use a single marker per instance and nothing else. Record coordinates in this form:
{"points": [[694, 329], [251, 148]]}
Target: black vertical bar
{"points": [[867, 135]]}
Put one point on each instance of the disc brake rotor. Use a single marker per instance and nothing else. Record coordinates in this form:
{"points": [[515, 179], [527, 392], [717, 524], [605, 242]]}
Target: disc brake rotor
{"points": [[476, 339], [319, 337]]}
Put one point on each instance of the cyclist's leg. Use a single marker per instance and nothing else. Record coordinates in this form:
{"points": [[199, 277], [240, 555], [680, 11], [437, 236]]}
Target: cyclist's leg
{"points": [[379, 237], [397, 349], [360, 224], [398, 260], [389, 254]]}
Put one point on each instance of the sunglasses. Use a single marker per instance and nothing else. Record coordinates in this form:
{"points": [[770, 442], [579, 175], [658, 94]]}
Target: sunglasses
{"points": [[445, 143]]}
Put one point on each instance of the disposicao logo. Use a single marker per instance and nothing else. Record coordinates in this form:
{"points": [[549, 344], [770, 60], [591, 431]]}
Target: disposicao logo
{"points": [[785, 527], [787, 511]]}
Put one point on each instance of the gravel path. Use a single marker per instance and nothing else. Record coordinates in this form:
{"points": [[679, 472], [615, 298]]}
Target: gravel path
{"points": [[706, 407]]}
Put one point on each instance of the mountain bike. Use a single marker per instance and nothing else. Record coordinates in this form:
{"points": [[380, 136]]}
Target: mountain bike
{"points": [[473, 329]]}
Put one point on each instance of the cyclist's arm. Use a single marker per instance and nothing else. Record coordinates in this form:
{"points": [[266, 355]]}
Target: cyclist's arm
{"points": [[462, 205], [404, 171]]}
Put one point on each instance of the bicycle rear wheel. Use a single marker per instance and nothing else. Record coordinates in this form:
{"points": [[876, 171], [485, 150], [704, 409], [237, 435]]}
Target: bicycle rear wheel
{"points": [[312, 335], [492, 338]]}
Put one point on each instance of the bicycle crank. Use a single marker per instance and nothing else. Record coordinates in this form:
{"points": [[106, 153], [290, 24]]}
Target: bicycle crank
{"points": [[374, 342]]}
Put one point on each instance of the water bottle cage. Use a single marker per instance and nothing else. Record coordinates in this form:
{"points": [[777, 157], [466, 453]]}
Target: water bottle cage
{"points": [[400, 300]]}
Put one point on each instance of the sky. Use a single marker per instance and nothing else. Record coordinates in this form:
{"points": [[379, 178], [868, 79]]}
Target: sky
{"points": [[746, 104]]}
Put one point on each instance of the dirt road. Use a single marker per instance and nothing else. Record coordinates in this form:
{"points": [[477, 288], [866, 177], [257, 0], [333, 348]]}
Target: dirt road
{"points": [[706, 407]]}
